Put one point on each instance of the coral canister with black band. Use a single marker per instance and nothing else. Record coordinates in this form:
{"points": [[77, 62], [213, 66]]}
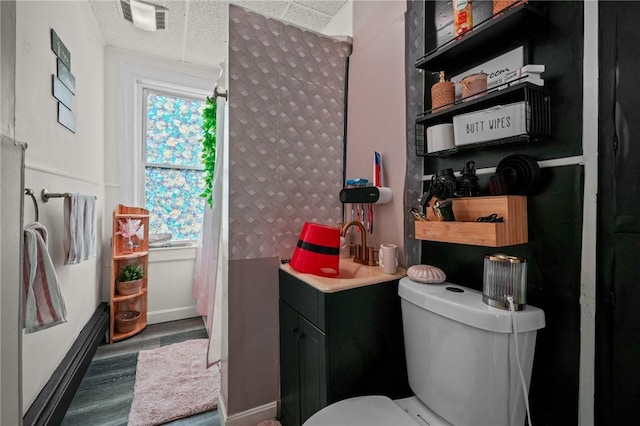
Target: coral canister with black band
{"points": [[318, 250]]}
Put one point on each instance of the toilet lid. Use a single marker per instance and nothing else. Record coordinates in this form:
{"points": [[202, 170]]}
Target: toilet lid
{"points": [[362, 411]]}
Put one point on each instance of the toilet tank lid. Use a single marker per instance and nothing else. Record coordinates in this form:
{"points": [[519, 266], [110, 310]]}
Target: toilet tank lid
{"points": [[467, 307]]}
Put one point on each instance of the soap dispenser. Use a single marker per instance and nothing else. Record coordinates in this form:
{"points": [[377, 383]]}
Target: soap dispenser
{"points": [[443, 94]]}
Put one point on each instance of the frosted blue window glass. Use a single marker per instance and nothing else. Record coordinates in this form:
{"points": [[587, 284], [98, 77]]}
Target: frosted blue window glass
{"points": [[173, 201], [174, 129], [174, 178]]}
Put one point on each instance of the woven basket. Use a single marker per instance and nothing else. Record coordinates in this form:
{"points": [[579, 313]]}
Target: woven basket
{"points": [[126, 321], [475, 84], [442, 94]]}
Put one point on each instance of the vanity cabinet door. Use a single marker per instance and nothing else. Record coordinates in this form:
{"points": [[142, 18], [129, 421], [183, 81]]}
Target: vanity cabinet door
{"points": [[302, 367], [313, 377], [289, 377]]}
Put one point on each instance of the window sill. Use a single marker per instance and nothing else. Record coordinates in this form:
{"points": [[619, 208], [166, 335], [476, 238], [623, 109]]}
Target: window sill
{"points": [[162, 254], [175, 245]]}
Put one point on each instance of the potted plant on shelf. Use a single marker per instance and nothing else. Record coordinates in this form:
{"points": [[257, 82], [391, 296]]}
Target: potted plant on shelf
{"points": [[130, 279]]}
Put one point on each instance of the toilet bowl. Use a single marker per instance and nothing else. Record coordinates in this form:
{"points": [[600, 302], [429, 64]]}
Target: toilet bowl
{"points": [[461, 362], [376, 410]]}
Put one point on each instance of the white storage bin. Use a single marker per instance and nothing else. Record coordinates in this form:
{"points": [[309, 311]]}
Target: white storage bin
{"points": [[498, 122]]}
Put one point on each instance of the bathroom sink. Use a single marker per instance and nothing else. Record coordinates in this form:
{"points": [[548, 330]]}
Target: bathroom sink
{"points": [[350, 269], [351, 275]]}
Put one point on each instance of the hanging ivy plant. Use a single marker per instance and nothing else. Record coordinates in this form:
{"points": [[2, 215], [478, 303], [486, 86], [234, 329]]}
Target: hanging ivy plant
{"points": [[208, 155]]}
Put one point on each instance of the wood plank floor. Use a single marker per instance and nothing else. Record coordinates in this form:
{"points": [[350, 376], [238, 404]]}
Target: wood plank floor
{"points": [[106, 391]]}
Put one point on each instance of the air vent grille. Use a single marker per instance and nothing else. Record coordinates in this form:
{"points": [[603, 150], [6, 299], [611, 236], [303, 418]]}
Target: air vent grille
{"points": [[161, 13], [126, 10], [161, 19]]}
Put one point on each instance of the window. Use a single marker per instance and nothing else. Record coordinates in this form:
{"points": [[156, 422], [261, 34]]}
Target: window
{"points": [[173, 174]]}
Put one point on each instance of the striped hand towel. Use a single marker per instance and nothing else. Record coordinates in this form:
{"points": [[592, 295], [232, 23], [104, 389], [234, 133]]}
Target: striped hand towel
{"points": [[43, 305]]}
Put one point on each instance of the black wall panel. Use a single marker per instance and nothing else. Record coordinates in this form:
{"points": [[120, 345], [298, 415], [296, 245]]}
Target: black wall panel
{"points": [[554, 211], [618, 267], [553, 281]]}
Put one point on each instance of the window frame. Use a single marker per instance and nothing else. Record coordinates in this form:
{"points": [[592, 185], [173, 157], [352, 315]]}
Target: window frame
{"points": [[127, 72], [135, 190]]}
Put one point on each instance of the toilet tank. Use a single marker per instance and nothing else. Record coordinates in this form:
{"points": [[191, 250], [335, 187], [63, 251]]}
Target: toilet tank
{"points": [[461, 357]]}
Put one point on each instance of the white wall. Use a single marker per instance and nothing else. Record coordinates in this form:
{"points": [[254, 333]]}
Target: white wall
{"points": [[170, 279], [170, 274], [10, 227], [377, 109], [11, 160], [60, 161]]}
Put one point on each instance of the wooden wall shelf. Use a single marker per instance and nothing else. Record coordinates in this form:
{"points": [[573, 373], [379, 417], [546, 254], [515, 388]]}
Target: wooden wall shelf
{"points": [[119, 259], [465, 230], [120, 298], [133, 255], [116, 337]]}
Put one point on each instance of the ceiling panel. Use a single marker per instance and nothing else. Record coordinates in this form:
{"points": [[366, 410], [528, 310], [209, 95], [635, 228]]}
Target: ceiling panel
{"points": [[197, 29]]}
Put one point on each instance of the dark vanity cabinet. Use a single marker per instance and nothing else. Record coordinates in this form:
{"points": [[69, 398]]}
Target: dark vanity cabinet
{"points": [[338, 345]]}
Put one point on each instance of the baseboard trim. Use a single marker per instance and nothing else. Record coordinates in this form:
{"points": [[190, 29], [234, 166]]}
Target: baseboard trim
{"points": [[55, 397], [166, 315], [250, 417]]}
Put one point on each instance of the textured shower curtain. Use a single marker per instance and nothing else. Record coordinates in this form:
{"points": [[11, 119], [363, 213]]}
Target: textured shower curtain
{"points": [[207, 278]]}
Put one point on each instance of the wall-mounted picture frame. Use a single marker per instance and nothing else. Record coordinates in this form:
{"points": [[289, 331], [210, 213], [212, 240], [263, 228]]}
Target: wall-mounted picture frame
{"points": [[60, 49], [61, 93], [66, 117], [65, 76]]}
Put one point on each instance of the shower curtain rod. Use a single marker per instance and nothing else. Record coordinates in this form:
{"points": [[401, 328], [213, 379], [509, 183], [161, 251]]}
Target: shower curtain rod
{"points": [[217, 93]]}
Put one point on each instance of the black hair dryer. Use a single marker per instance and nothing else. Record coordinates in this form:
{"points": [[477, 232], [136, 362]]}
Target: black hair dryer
{"points": [[443, 185]]}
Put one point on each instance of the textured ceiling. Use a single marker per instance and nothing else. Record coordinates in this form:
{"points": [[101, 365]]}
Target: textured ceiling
{"points": [[197, 29]]}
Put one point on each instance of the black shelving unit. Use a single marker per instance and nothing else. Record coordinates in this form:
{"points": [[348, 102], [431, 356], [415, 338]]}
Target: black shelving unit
{"points": [[495, 31], [510, 27], [538, 118]]}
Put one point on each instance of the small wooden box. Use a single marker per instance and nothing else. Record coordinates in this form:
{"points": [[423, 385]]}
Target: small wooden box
{"points": [[465, 230]]}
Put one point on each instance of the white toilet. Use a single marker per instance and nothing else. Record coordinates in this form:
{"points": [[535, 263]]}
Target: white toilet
{"points": [[461, 362]]}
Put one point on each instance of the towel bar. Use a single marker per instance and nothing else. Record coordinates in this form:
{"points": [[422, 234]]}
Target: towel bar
{"points": [[29, 192], [45, 194]]}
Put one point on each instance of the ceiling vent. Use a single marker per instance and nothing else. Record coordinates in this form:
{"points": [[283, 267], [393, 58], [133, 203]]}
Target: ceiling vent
{"points": [[143, 15]]}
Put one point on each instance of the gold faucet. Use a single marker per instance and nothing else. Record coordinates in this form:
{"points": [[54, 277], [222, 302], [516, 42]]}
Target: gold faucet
{"points": [[363, 254]]}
